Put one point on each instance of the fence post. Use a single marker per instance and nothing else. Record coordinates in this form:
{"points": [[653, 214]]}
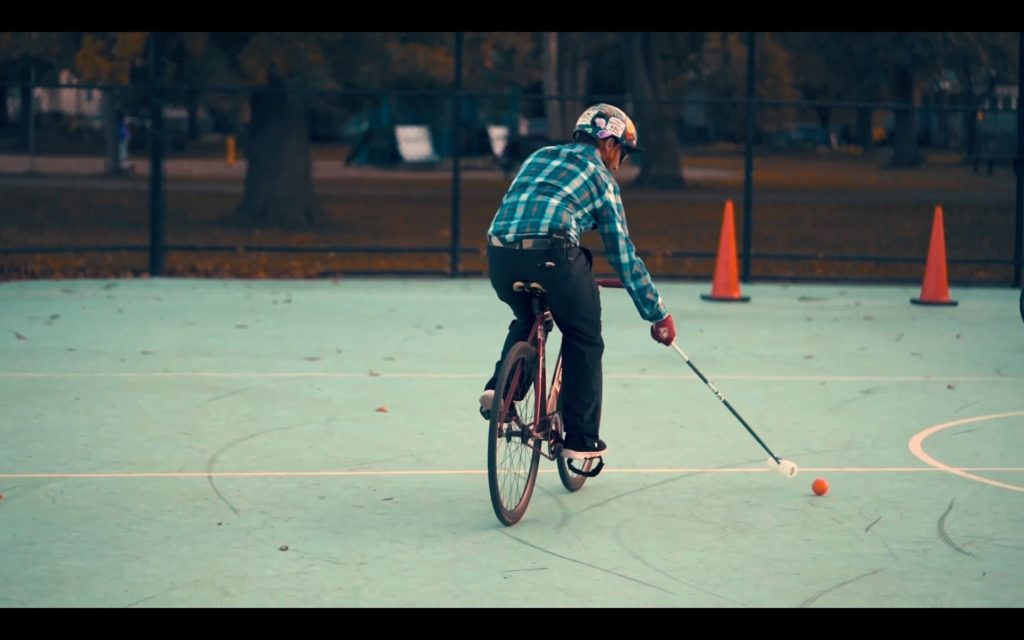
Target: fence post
{"points": [[748, 163], [456, 125], [31, 119], [1018, 245], [157, 204]]}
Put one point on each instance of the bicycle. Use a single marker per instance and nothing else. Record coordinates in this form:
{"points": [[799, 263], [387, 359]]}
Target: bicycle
{"points": [[526, 418]]}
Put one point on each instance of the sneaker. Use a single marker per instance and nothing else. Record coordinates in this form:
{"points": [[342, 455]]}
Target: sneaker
{"points": [[578, 447], [486, 402]]}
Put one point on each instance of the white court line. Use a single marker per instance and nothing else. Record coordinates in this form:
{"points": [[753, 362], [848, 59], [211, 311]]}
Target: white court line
{"points": [[442, 376], [463, 472], [916, 447]]}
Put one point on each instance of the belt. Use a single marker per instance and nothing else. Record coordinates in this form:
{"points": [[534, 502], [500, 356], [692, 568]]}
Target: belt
{"points": [[543, 242]]}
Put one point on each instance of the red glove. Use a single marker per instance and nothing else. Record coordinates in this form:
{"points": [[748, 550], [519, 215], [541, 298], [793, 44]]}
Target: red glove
{"points": [[664, 331]]}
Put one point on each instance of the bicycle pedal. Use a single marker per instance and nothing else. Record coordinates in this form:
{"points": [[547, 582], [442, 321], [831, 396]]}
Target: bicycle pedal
{"points": [[592, 472]]}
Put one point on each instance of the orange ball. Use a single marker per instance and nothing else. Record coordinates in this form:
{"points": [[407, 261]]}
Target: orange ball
{"points": [[819, 487]]}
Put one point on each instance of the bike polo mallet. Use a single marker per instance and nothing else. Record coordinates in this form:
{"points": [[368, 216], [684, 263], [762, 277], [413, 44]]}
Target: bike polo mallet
{"points": [[780, 465]]}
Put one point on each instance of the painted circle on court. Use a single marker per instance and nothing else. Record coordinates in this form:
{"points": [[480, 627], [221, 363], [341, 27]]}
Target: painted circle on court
{"points": [[915, 446]]}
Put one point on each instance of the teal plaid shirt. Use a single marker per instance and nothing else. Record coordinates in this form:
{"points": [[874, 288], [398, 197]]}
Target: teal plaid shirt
{"points": [[566, 188]]}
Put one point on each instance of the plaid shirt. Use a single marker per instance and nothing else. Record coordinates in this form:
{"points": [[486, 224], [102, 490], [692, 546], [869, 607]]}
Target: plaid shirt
{"points": [[566, 188]]}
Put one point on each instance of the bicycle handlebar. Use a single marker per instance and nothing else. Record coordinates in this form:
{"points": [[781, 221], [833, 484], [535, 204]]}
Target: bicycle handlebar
{"points": [[610, 283]]}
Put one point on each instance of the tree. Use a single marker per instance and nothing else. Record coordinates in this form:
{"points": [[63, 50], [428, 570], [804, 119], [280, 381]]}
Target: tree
{"points": [[279, 174], [898, 67], [836, 67], [980, 61], [286, 68], [645, 81], [25, 56]]}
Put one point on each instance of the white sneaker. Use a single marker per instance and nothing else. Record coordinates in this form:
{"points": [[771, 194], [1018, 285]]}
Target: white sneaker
{"points": [[577, 449], [486, 402]]}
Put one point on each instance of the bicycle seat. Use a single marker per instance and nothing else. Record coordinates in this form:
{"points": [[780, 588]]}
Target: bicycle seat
{"points": [[526, 286]]}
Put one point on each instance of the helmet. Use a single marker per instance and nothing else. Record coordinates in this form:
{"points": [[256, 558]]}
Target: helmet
{"points": [[606, 121]]}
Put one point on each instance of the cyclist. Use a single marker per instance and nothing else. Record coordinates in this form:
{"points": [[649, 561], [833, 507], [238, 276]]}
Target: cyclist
{"points": [[559, 193]]}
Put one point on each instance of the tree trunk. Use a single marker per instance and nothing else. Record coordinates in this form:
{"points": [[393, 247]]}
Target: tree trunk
{"points": [[552, 105], [279, 177], [4, 116], [905, 153], [656, 132], [573, 69], [865, 129]]}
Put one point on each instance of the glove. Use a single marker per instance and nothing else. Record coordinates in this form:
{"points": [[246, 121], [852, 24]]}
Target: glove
{"points": [[664, 331]]}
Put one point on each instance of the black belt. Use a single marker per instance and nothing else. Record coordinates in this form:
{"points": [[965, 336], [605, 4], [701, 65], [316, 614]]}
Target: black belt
{"points": [[529, 243]]}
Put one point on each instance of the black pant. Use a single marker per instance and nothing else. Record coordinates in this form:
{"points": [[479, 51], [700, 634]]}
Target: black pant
{"points": [[575, 305]]}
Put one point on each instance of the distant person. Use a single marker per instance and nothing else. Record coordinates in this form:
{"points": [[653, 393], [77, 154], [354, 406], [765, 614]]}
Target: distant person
{"points": [[124, 137]]}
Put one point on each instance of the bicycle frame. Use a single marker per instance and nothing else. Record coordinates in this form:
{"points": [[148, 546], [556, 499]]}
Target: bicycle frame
{"points": [[549, 426], [549, 422], [510, 477]]}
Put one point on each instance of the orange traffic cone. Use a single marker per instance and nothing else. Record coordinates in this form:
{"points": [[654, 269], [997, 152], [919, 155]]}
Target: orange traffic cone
{"points": [[935, 287], [726, 285]]}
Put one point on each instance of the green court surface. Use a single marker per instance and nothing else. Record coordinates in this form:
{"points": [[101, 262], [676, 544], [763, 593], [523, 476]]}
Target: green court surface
{"points": [[238, 443]]}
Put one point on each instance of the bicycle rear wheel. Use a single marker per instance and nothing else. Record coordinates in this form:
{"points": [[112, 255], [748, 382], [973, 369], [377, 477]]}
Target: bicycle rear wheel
{"points": [[512, 456]]}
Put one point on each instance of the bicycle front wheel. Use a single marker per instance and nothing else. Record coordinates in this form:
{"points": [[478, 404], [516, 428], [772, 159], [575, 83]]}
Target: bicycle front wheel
{"points": [[512, 455]]}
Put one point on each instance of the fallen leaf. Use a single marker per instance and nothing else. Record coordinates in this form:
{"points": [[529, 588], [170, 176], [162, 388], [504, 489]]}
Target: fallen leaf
{"points": [[382, 409], [374, 373]]}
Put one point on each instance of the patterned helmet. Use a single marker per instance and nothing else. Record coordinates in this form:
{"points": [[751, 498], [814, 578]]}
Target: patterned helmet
{"points": [[606, 121]]}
